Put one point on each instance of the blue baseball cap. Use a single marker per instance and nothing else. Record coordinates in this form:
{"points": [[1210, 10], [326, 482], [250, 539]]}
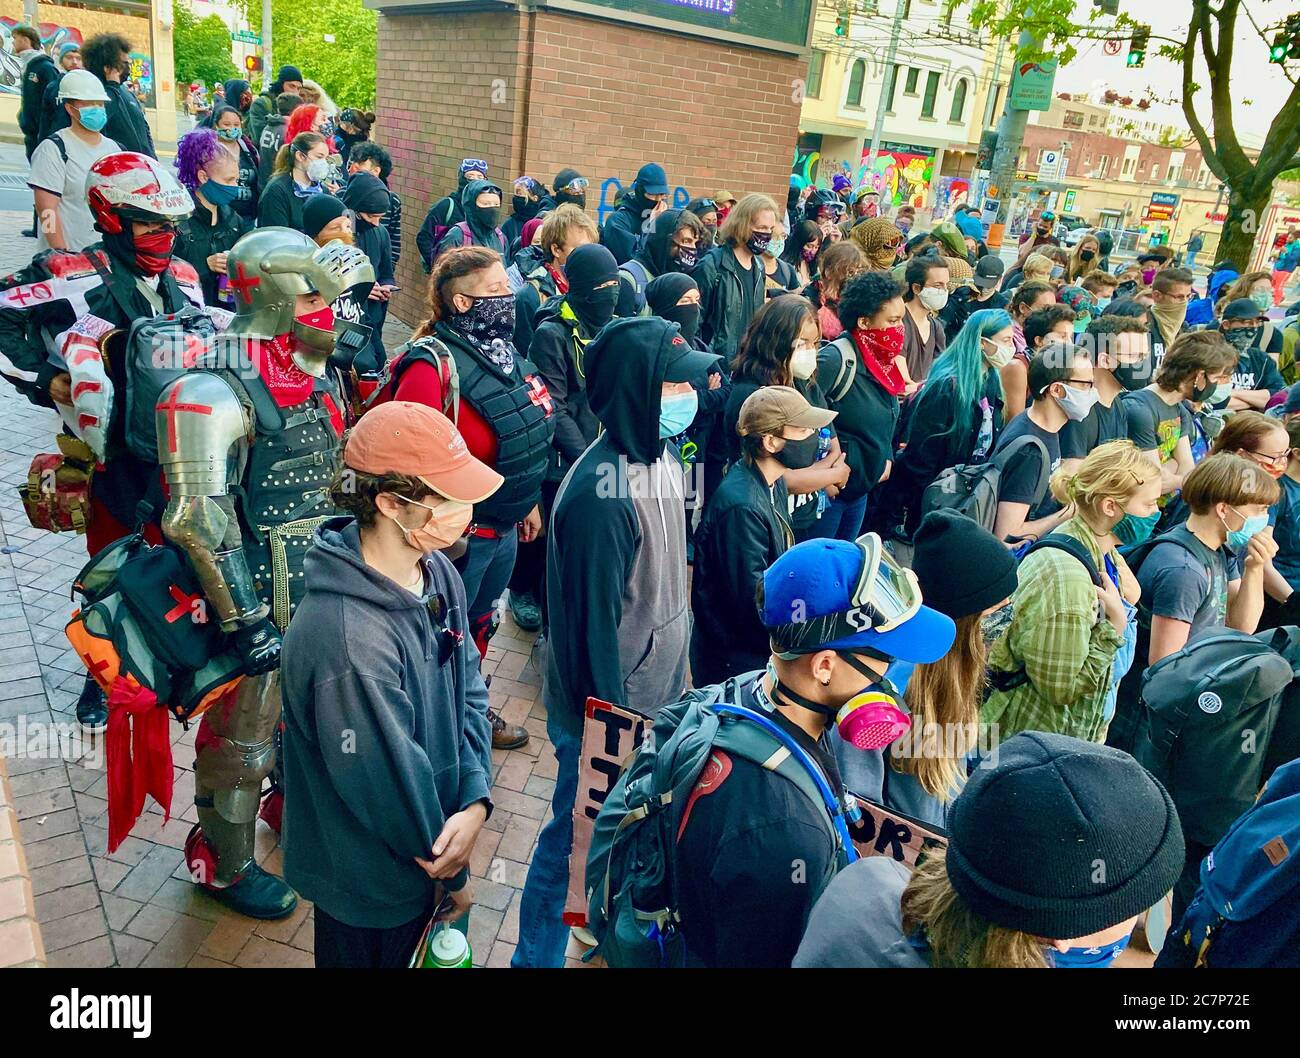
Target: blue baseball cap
{"points": [[815, 582], [652, 179]]}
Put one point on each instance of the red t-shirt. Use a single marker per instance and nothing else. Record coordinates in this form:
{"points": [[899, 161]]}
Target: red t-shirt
{"points": [[422, 383]]}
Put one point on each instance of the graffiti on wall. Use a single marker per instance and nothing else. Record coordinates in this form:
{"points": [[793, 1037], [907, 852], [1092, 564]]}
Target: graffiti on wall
{"points": [[950, 193], [902, 177], [807, 154], [611, 190], [52, 35]]}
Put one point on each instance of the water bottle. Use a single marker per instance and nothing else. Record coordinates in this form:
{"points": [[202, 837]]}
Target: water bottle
{"points": [[448, 950]]}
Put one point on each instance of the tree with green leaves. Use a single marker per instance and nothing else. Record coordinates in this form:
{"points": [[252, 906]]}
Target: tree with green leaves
{"points": [[202, 49], [1211, 35], [343, 66]]}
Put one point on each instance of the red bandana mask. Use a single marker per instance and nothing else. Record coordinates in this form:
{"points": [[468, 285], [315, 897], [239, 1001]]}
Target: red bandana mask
{"points": [[879, 346], [288, 383], [153, 252]]}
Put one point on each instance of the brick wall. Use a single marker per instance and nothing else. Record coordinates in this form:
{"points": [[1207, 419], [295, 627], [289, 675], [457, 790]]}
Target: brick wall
{"points": [[602, 97], [20, 936]]}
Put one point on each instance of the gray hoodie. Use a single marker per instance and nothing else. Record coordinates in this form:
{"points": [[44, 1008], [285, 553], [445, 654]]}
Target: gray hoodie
{"points": [[381, 743], [857, 921]]}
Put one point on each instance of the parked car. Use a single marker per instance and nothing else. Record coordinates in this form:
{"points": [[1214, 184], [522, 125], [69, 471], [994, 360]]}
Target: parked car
{"points": [[1072, 237]]}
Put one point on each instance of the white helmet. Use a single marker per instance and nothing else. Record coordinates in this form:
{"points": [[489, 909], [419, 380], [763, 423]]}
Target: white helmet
{"points": [[81, 85]]}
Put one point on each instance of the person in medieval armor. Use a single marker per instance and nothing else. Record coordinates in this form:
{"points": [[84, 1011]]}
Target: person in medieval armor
{"points": [[249, 445], [462, 361], [64, 316]]}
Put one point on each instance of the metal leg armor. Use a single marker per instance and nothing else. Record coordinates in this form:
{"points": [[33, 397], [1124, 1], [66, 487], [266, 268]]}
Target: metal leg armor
{"points": [[234, 752]]}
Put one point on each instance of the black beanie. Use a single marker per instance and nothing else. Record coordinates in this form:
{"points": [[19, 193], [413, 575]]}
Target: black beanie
{"points": [[318, 211], [1062, 838], [367, 194], [565, 177], [663, 292], [963, 568], [588, 266]]}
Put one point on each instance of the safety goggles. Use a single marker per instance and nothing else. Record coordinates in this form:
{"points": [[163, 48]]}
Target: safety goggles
{"points": [[578, 183], [526, 184], [475, 165]]}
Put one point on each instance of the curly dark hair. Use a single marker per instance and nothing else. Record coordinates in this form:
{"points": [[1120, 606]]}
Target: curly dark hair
{"points": [[763, 356], [369, 151], [1040, 322], [918, 271], [104, 49], [865, 295], [354, 492]]}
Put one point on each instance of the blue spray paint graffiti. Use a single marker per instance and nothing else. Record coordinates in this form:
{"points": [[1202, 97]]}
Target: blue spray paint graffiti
{"points": [[608, 199]]}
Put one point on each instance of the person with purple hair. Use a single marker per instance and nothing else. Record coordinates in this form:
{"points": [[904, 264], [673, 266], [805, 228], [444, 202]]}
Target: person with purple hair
{"points": [[211, 175]]}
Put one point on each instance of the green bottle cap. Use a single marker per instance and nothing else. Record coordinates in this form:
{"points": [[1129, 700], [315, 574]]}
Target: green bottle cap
{"points": [[449, 948]]}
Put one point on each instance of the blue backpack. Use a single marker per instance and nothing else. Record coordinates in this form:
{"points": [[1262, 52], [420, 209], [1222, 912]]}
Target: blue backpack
{"points": [[1247, 911]]}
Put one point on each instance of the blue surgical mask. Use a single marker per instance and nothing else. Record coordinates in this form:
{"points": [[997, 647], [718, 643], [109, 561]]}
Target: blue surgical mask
{"points": [[1133, 530], [1102, 303], [676, 412], [1239, 538], [93, 118], [1088, 958], [219, 194]]}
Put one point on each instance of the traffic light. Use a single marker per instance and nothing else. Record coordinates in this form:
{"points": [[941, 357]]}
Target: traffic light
{"points": [[842, 21], [1286, 45], [1277, 53], [253, 63], [1137, 47]]}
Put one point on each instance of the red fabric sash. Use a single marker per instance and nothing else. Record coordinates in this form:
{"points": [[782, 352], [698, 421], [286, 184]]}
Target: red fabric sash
{"points": [[139, 757]]}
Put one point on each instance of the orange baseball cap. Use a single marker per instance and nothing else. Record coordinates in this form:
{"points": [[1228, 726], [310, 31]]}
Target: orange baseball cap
{"points": [[403, 437]]}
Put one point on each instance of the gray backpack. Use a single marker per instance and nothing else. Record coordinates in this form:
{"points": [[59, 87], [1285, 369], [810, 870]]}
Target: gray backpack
{"points": [[972, 488], [159, 350]]}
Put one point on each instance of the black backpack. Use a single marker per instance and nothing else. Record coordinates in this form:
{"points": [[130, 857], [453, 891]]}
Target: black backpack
{"points": [[972, 489]]}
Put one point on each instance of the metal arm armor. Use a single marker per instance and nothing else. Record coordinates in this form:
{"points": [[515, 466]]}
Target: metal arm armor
{"points": [[199, 422]]}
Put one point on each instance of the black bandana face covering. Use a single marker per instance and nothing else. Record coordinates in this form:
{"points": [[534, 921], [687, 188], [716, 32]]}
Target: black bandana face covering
{"points": [[488, 318]]}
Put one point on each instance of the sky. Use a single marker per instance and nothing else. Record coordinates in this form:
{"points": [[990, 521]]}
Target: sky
{"points": [[1254, 79]]}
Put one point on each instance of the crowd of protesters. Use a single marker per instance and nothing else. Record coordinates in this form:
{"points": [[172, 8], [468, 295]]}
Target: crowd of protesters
{"points": [[799, 460]]}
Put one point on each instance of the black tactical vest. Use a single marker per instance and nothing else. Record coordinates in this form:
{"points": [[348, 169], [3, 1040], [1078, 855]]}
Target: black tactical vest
{"points": [[518, 409], [284, 491]]}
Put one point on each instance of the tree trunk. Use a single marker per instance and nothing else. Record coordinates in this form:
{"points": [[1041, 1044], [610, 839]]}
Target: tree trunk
{"points": [[1246, 206]]}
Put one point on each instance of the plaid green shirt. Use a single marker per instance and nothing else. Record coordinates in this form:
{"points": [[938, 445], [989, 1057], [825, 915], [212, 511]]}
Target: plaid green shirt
{"points": [[1060, 638]]}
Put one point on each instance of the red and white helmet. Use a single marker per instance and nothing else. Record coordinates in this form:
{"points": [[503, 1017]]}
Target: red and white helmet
{"points": [[127, 186]]}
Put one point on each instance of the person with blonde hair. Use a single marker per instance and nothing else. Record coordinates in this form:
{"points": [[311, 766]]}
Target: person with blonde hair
{"points": [[1016, 886], [731, 276], [1083, 259], [1054, 668]]}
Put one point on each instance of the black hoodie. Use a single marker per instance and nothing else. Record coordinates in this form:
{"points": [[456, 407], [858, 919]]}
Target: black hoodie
{"points": [[616, 557], [442, 214], [482, 231], [382, 743]]}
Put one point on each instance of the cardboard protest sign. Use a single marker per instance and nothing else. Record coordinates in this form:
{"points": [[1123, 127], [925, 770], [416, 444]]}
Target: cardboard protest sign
{"points": [[610, 735], [886, 832]]}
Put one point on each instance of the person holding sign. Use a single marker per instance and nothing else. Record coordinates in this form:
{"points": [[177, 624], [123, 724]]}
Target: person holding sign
{"points": [[388, 749], [745, 528], [754, 851], [1052, 855]]}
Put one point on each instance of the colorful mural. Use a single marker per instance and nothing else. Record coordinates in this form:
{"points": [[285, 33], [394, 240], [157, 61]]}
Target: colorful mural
{"points": [[901, 175], [950, 193], [11, 67]]}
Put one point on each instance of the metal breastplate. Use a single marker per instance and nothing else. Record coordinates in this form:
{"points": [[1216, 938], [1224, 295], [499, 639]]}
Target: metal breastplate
{"points": [[284, 497]]}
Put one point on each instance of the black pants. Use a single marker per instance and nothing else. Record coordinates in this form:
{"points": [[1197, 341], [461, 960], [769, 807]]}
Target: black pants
{"points": [[529, 576], [340, 946]]}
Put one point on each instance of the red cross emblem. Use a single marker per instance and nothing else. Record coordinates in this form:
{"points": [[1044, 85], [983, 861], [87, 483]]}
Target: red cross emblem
{"points": [[171, 406], [22, 295], [244, 283], [184, 605], [538, 394], [95, 667]]}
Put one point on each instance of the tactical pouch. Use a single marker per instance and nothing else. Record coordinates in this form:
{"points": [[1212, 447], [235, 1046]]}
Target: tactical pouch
{"points": [[56, 495]]}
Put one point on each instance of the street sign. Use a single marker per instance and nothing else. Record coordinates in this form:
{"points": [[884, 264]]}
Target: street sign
{"points": [[245, 36], [1112, 47], [1052, 166], [1031, 85]]}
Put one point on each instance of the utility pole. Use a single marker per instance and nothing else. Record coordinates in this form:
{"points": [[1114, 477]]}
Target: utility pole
{"points": [[882, 104], [991, 99], [267, 75], [1011, 134]]}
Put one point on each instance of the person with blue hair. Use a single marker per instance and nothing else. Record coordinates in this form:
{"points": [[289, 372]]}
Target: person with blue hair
{"points": [[955, 418]]}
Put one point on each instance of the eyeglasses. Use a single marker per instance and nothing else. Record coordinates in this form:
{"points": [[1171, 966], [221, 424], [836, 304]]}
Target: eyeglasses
{"points": [[1085, 383], [448, 636], [1264, 459]]}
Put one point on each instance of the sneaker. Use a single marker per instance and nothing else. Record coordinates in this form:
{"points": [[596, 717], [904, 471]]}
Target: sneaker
{"points": [[92, 708], [526, 612], [506, 736]]}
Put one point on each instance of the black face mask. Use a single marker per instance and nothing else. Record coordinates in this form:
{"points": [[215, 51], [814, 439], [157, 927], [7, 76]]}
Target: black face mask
{"points": [[1133, 376], [569, 197], [525, 208], [1199, 393], [595, 308], [1086, 255], [685, 259], [687, 317], [799, 455], [484, 217]]}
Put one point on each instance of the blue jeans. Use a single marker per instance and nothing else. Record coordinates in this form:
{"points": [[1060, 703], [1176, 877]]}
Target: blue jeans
{"points": [[485, 570], [543, 936], [840, 521], [1189, 261]]}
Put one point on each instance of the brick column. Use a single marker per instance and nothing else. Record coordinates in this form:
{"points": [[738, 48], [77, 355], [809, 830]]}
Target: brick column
{"points": [[20, 936], [536, 92]]}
